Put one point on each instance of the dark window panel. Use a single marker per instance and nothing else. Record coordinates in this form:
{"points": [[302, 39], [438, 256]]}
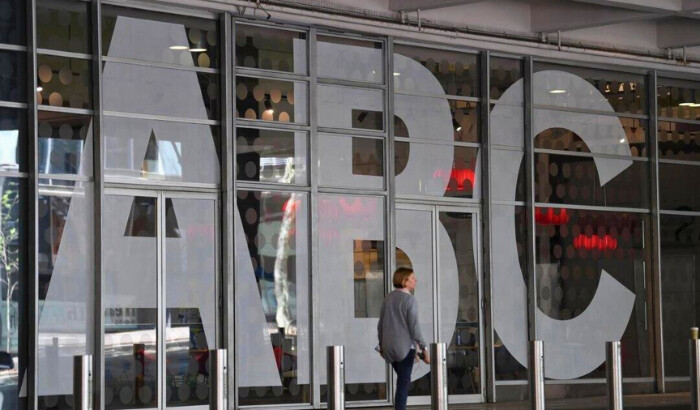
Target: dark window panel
{"points": [[457, 73], [504, 72], [271, 49], [678, 99], [64, 25], [271, 100], [64, 82], [679, 140]]}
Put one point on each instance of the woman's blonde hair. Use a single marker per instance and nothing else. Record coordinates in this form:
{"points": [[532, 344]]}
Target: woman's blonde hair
{"points": [[401, 275]]}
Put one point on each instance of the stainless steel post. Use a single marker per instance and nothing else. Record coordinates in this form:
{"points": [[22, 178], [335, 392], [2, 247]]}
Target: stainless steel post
{"points": [[217, 380], [336, 377], [438, 376], [613, 369], [694, 369], [535, 360], [82, 382]]}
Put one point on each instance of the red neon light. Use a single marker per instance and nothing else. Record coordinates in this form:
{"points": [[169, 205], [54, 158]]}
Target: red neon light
{"points": [[595, 242], [459, 175], [550, 218]]}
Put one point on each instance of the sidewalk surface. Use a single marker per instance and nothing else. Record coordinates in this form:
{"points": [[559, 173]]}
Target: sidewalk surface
{"points": [[674, 401]]}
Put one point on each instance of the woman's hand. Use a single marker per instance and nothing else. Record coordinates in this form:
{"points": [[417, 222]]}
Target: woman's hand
{"points": [[426, 356]]}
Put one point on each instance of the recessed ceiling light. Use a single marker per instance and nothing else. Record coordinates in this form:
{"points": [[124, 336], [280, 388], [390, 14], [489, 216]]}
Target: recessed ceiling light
{"points": [[179, 47], [557, 91], [40, 88], [622, 140], [686, 104], [397, 73], [198, 50]]}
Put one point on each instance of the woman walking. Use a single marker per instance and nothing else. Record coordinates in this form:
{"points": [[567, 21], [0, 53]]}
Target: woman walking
{"points": [[399, 333]]}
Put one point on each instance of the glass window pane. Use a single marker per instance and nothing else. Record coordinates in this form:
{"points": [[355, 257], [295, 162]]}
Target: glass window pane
{"points": [[350, 59], [272, 298], [680, 241], [428, 118], [678, 99], [13, 76], [510, 184], [565, 86], [676, 183], [507, 125], [271, 156], [65, 143], [436, 170], [161, 150], [64, 82], [353, 162], [13, 139], [190, 299], [63, 25], [561, 179], [457, 73], [271, 100], [160, 38], [140, 89], [604, 135], [461, 319], [679, 140], [343, 220], [66, 272], [13, 23], [130, 299], [271, 49], [505, 72], [13, 291], [347, 107], [510, 227], [593, 266]]}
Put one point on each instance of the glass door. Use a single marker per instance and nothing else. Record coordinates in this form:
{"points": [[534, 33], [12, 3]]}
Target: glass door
{"points": [[441, 245], [160, 297]]}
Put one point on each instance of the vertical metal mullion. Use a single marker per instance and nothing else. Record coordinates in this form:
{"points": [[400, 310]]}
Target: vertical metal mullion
{"points": [[435, 249], [655, 234], [30, 359], [98, 197], [485, 226], [317, 351], [228, 186], [390, 180], [530, 192], [160, 281]]}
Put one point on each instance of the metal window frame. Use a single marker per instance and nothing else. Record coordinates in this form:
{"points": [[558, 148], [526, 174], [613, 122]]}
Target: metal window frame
{"points": [[32, 313]]}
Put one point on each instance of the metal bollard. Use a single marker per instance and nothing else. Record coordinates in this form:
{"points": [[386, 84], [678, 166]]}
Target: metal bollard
{"points": [[535, 360], [694, 345], [613, 369], [335, 356], [82, 382], [218, 396], [438, 376]]}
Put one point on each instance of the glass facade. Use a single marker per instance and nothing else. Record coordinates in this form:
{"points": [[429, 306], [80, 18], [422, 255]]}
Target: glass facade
{"points": [[316, 162]]}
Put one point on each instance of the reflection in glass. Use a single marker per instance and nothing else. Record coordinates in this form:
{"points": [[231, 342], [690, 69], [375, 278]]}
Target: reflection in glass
{"points": [[272, 297], [463, 351], [676, 187], [270, 49], [465, 119], [12, 76], [271, 156], [678, 98], [13, 139], [353, 162], [350, 59], [679, 140], [459, 180], [343, 220], [572, 252], [161, 38], [504, 73], [63, 25], [190, 286], [65, 143], [501, 168], [680, 244], [625, 92], [605, 133], [458, 73], [12, 24], [514, 219], [65, 286], [346, 107], [130, 299], [271, 100], [13, 288], [562, 179], [64, 82], [161, 150]]}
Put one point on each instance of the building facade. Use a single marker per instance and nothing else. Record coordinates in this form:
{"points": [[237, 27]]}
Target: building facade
{"points": [[183, 177]]}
